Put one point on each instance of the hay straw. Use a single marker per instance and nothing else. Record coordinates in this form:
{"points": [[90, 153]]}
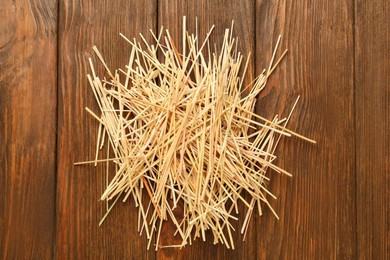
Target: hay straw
{"points": [[185, 139]]}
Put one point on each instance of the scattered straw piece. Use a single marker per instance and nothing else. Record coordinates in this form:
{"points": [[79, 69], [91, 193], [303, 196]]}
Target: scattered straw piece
{"points": [[185, 136]]}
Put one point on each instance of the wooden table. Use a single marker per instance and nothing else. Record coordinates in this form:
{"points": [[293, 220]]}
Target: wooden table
{"points": [[336, 205]]}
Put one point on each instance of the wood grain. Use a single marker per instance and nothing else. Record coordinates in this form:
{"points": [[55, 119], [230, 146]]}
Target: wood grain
{"points": [[335, 206], [28, 47], [317, 205], [220, 14], [372, 81], [82, 25]]}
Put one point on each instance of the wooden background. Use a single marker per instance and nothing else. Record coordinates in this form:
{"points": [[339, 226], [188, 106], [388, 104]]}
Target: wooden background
{"points": [[336, 205]]}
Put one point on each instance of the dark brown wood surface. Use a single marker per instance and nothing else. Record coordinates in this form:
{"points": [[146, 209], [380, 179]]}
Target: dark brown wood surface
{"points": [[317, 206], [28, 91], [83, 25], [372, 111], [336, 205]]}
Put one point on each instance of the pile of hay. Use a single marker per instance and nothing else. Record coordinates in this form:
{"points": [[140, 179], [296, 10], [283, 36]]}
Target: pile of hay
{"points": [[184, 135]]}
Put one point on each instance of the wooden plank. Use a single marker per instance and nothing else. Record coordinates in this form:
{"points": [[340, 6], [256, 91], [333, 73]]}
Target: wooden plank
{"points": [[372, 77], [317, 205], [220, 14], [27, 128], [82, 25]]}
